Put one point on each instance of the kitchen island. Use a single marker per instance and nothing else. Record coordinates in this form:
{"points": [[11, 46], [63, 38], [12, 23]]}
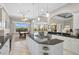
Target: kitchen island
{"points": [[37, 46]]}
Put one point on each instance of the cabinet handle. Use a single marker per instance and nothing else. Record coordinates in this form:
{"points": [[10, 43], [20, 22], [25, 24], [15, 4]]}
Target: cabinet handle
{"points": [[45, 54], [45, 48]]}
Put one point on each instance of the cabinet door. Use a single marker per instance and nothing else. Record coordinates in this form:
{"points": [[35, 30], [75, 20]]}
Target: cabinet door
{"points": [[56, 49], [33, 46], [76, 20], [67, 43], [75, 46]]}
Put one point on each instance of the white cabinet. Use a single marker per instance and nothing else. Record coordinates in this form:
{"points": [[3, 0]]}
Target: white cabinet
{"points": [[52, 49], [76, 20], [4, 22], [5, 49], [75, 45], [67, 43], [57, 49], [38, 49], [72, 44], [32, 46], [4, 18]]}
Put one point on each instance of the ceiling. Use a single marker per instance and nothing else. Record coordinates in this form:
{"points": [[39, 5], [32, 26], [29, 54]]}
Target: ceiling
{"points": [[30, 10]]}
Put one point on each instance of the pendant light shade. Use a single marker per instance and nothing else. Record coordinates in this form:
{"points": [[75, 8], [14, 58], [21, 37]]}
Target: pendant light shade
{"points": [[33, 21], [38, 12], [38, 18], [47, 14]]}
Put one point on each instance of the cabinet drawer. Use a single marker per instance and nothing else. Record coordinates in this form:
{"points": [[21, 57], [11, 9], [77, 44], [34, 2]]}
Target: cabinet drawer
{"points": [[75, 46]]}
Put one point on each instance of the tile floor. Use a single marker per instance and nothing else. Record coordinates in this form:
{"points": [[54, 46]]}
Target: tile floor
{"points": [[20, 48]]}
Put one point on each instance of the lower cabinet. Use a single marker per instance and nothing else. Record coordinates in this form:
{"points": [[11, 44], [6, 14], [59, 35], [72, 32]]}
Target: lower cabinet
{"points": [[32, 46], [67, 43], [36, 48], [71, 44], [51, 49], [75, 46], [5, 49]]}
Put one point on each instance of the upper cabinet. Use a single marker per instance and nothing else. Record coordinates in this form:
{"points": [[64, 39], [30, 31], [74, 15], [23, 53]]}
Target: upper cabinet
{"points": [[75, 23], [4, 22], [4, 19], [76, 20]]}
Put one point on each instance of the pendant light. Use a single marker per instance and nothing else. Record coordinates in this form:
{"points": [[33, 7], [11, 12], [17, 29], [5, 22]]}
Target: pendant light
{"points": [[38, 18], [24, 18], [23, 15], [47, 13], [33, 12]]}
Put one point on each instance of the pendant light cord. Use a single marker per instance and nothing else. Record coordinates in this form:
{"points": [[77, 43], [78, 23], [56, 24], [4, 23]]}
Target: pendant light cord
{"points": [[38, 12], [33, 9], [33, 17], [47, 7]]}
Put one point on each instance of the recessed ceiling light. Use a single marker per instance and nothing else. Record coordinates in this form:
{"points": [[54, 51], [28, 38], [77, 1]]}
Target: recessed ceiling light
{"points": [[18, 11], [42, 10]]}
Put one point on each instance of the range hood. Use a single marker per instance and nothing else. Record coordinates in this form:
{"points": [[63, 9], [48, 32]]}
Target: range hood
{"points": [[65, 15]]}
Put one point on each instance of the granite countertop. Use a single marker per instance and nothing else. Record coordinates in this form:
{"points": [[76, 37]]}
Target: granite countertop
{"points": [[52, 42], [63, 34], [3, 40], [47, 42]]}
